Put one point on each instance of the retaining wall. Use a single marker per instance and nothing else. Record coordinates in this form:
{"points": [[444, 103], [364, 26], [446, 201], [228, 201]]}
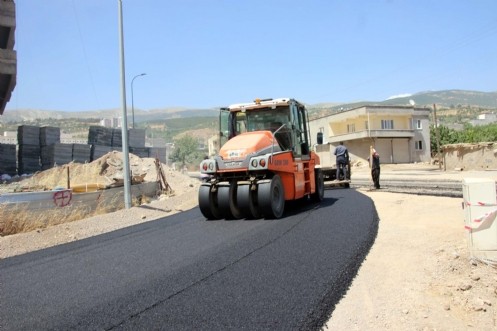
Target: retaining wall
{"points": [[481, 156]]}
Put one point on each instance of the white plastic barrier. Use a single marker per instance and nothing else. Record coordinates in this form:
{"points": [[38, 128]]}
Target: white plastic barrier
{"points": [[480, 213]]}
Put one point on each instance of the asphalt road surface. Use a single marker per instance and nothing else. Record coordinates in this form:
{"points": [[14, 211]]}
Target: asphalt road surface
{"points": [[184, 273]]}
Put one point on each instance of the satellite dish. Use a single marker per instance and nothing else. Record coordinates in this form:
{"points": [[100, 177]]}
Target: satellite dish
{"points": [[411, 102]]}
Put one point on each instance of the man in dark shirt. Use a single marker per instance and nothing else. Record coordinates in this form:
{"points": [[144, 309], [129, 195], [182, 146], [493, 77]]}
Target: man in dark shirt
{"points": [[375, 168], [342, 159]]}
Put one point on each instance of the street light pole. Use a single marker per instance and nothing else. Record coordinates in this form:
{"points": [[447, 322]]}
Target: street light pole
{"points": [[132, 103], [124, 126]]}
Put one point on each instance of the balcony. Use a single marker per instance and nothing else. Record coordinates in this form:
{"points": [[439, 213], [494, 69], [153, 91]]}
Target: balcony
{"points": [[371, 134]]}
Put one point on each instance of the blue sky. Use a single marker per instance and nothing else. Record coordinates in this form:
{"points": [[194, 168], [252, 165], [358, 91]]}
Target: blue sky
{"points": [[211, 53]]}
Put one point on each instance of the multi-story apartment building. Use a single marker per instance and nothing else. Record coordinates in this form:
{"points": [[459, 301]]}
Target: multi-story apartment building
{"points": [[400, 134]]}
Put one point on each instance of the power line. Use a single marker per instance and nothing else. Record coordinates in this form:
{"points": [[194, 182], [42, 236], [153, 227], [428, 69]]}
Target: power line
{"points": [[85, 55]]}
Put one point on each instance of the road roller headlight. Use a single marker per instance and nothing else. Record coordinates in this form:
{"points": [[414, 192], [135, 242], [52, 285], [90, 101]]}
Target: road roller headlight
{"points": [[258, 163]]}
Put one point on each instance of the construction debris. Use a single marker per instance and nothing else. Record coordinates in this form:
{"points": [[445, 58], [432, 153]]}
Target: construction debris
{"points": [[106, 171], [161, 178]]}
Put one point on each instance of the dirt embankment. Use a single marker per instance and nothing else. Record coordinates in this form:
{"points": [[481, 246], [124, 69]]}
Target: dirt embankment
{"points": [[106, 171]]}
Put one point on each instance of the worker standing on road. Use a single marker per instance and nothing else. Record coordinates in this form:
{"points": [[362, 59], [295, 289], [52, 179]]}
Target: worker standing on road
{"points": [[375, 168], [342, 160]]}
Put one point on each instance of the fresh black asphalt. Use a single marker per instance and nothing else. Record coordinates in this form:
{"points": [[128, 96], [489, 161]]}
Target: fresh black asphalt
{"points": [[183, 272]]}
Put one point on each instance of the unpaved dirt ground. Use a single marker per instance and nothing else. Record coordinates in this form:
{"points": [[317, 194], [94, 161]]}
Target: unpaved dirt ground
{"points": [[419, 274]]}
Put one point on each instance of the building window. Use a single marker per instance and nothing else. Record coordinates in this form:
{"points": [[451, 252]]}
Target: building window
{"points": [[419, 126], [387, 124], [418, 145], [366, 125], [350, 128]]}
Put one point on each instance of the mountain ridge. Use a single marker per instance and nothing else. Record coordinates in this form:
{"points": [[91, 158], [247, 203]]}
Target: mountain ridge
{"points": [[444, 99]]}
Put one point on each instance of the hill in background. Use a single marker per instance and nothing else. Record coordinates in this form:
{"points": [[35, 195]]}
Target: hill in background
{"points": [[443, 99], [167, 123]]}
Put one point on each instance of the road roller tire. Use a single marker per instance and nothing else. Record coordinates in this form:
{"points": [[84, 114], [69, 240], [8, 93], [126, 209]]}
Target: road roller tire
{"points": [[271, 198], [247, 202], [207, 202], [227, 201], [319, 181]]}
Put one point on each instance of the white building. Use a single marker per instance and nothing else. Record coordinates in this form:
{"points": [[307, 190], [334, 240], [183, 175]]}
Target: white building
{"points": [[9, 137], [114, 122], [484, 119]]}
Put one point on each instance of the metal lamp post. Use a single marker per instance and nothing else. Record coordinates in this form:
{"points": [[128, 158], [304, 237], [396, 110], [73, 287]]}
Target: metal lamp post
{"points": [[132, 103], [124, 126]]}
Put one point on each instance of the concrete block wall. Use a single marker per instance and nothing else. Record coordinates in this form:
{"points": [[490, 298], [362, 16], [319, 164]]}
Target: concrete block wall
{"points": [[40, 148]]}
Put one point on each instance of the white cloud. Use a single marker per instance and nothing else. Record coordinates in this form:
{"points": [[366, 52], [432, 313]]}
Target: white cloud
{"points": [[404, 95]]}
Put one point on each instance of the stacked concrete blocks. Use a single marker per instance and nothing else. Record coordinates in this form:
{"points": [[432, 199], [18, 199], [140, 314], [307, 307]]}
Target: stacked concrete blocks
{"points": [[97, 151], [52, 151], [98, 135], [100, 139], [28, 155], [8, 165], [81, 153], [40, 148], [136, 137], [158, 153], [49, 135], [117, 138], [55, 155]]}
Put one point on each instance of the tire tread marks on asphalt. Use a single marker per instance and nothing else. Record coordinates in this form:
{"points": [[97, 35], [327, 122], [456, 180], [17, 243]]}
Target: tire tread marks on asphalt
{"points": [[212, 274]]}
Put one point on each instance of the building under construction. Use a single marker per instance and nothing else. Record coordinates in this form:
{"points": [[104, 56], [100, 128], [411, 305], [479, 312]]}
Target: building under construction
{"points": [[8, 57]]}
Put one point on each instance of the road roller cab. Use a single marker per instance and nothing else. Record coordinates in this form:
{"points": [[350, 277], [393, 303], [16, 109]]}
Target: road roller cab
{"points": [[264, 161]]}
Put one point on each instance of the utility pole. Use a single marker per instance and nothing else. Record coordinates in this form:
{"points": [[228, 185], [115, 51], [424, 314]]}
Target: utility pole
{"points": [[437, 135], [124, 125]]}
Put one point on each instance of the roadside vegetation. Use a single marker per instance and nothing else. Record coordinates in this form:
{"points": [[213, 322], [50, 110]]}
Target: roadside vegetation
{"points": [[170, 129], [470, 134], [186, 152]]}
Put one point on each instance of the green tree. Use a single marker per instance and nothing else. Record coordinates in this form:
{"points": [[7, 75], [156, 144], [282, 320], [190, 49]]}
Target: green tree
{"points": [[470, 134], [481, 133], [446, 135], [185, 150]]}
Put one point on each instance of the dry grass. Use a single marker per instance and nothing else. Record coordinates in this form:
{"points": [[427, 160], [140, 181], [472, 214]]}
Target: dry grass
{"points": [[19, 218], [16, 219]]}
